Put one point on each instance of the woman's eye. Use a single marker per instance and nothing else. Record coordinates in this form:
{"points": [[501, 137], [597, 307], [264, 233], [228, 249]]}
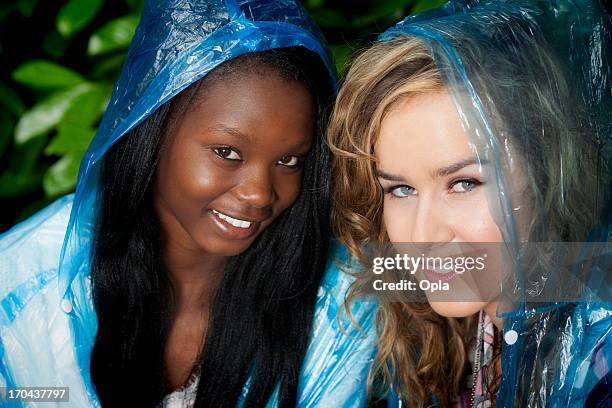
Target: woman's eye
{"points": [[464, 186], [227, 153], [289, 161], [402, 191]]}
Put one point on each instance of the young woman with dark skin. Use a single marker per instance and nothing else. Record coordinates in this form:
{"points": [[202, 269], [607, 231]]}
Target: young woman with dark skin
{"points": [[237, 152], [193, 266], [226, 158]]}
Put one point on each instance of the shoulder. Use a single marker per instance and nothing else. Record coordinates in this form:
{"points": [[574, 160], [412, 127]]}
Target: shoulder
{"points": [[341, 347], [597, 340], [33, 246], [29, 259], [335, 287], [591, 331], [37, 342], [340, 272], [582, 334], [51, 218]]}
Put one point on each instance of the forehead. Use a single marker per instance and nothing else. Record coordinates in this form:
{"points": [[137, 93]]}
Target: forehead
{"points": [[423, 131], [262, 107], [255, 92]]}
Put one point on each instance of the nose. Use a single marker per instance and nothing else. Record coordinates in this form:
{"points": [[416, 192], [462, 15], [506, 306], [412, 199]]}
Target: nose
{"points": [[432, 223], [256, 188]]}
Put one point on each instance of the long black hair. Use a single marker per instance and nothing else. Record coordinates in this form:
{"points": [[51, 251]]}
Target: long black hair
{"points": [[262, 312]]}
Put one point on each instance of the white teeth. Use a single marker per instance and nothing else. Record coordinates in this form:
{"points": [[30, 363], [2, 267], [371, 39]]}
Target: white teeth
{"points": [[443, 271], [234, 221]]}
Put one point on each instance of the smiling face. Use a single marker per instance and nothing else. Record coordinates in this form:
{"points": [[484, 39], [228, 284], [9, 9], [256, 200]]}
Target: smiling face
{"points": [[433, 183], [234, 162]]}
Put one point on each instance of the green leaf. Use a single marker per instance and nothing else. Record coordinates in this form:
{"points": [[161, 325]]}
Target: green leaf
{"points": [[24, 158], [329, 18], [43, 74], [311, 4], [70, 139], [23, 176], [108, 67], [384, 10], [26, 7], [54, 44], [424, 5], [86, 109], [14, 184], [11, 100], [46, 114], [136, 5], [7, 125], [342, 54], [76, 14], [61, 177], [114, 35], [5, 10]]}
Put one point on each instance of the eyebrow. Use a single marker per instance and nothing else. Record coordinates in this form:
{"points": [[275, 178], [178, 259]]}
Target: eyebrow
{"points": [[441, 172], [388, 176], [455, 167], [245, 136], [230, 130]]}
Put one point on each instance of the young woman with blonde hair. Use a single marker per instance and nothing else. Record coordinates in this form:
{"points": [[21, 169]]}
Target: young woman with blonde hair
{"points": [[461, 126]]}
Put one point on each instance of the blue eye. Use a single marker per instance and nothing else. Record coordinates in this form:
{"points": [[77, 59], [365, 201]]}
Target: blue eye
{"points": [[227, 153], [464, 186], [402, 191]]}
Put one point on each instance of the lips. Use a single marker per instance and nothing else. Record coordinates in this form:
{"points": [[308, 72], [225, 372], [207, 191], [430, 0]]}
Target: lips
{"points": [[234, 227], [236, 222], [444, 276]]}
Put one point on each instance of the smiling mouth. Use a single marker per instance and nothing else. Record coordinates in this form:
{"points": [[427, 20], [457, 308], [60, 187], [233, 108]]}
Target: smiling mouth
{"points": [[444, 275], [442, 271], [236, 222]]}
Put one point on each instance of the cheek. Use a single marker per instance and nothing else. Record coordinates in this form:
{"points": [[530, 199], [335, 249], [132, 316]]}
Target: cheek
{"points": [[469, 220], [189, 180], [397, 216], [287, 188], [202, 180], [473, 222]]}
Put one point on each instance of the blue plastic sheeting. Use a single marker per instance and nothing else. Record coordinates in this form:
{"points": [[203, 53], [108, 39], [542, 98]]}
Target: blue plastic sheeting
{"points": [[496, 58]]}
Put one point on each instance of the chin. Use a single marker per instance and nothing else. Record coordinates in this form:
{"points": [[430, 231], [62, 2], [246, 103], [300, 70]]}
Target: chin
{"points": [[227, 248], [457, 309]]}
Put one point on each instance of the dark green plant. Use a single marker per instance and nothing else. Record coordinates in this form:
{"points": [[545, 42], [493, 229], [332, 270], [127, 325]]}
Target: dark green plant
{"points": [[53, 102]]}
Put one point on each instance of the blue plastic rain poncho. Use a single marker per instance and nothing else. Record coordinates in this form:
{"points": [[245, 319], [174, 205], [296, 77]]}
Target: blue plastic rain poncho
{"points": [[532, 83], [47, 320]]}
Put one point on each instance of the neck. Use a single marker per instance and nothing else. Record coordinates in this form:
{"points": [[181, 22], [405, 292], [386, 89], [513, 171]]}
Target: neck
{"points": [[195, 275]]}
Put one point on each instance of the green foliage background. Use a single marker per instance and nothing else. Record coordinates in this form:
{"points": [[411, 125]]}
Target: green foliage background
{"points": [[60, 59]]}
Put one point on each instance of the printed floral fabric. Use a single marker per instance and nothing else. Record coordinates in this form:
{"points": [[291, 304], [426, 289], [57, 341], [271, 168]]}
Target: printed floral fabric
{"points": [[482, 398]]}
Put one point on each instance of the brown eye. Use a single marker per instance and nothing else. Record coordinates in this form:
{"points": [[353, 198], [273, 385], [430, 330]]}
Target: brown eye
{"points": [[289, 161], [227, 153]]}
